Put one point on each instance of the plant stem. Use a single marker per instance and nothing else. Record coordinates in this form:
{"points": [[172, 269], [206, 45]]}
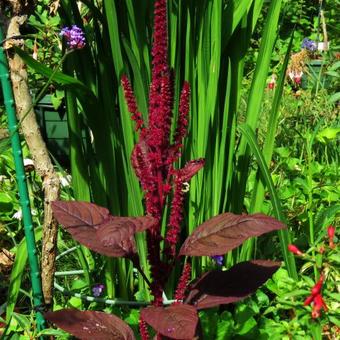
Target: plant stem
{"points": [[135, 261]]}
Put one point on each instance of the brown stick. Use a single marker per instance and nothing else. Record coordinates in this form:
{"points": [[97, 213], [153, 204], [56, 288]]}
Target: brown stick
{"points": [[39, 152], [324, 30]]}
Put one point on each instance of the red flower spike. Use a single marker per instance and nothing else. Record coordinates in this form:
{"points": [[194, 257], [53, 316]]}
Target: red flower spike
{"points": [[176, 217], [183, 283], [294, 249], [331, 234], [182, 122], [160, 90], [131, 103], [153, 156], [143, 329]]}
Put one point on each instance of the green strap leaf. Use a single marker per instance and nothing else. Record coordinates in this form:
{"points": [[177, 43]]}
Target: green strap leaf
{"points": [[250, 138]]}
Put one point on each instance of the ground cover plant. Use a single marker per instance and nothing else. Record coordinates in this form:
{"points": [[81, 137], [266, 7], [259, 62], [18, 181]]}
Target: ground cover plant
{"points": [[193, 158]]}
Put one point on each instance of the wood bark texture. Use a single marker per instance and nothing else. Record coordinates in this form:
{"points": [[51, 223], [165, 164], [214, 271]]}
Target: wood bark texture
{"points": [[39, 152]]}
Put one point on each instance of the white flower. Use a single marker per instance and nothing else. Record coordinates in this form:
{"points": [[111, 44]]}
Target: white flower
{"points": [[18, 215], [65, 181], [28, 162]]}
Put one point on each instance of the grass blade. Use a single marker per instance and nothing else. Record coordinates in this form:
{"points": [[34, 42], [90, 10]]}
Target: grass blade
{"points": [[284, 236]]}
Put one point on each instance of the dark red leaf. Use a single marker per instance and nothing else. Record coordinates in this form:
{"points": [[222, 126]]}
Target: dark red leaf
{"points": [[95, 228], [225, 232], [175, 322], [91, 324], [217, 287]]}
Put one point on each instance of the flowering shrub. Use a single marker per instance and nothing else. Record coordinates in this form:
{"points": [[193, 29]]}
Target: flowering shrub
{"points": [[315, 298], [153, 159]]}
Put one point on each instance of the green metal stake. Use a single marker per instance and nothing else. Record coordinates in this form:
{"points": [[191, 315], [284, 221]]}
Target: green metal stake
{"points": [[22, 185]]}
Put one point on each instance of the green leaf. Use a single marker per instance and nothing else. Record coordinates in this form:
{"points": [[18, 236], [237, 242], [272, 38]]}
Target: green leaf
{"points": [[75, 302], [54, 332], [209, 319], [78, 284], [6, 202], [335, 97], [23, 321], [315, 330], [83, 92], [334, 320], [328, 134], [244, 320], [17, 273], [283, 234], [225, 326]]}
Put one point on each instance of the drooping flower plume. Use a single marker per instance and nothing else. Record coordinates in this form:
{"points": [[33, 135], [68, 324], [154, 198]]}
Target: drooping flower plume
{"points": [[154, 156], [183, 282]]}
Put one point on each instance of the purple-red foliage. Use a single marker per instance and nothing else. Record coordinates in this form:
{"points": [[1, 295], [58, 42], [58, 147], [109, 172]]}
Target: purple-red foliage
{"points": [[177, 321], [90, 324]]}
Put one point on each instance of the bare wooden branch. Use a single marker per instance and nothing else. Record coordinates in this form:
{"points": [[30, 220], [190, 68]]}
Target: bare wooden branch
{"points": [[41, 158]]}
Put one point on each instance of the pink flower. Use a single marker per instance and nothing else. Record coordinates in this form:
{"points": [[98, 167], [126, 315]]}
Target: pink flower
{"points": [[294, 249], [271, 85], [318, 304], [316, 290], [331, 234], [315, 298]]}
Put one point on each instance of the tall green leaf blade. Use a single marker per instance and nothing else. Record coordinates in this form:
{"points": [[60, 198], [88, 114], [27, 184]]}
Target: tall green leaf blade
{"points": [[284, 236], [17, 274], [269, 142], [256, 92]]}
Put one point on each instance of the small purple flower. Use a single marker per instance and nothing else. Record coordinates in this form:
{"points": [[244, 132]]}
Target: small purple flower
{"points": [[309, 45], [74, 37], [97, 290], [218, 259]]}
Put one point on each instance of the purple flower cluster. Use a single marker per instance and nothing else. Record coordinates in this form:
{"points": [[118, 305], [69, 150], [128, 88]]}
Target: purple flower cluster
{"points": [[74, 37], [218, 259], [97, 290], [309, 45]]}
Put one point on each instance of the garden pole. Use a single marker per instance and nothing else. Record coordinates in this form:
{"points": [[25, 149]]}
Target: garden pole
{"points": [[22, 186]]}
